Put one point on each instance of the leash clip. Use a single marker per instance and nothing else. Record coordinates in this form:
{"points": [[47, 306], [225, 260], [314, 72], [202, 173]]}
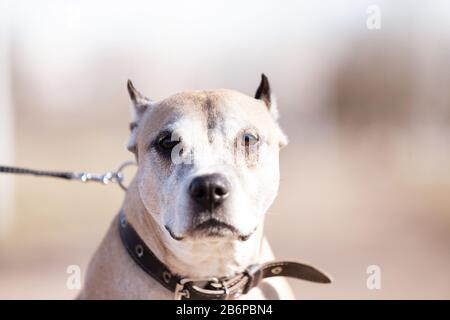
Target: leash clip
{"points": [[102, 178], [114, 177]]}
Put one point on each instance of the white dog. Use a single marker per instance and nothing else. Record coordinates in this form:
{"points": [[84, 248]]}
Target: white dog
{"points": [[192, 219]]}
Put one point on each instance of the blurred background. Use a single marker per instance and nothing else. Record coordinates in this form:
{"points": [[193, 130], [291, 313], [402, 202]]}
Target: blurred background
{"points": [[365, 179]]}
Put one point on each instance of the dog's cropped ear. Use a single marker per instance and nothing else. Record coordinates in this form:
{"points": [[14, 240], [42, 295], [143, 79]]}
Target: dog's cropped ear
{"points": [[140, 104], [264, 93]]}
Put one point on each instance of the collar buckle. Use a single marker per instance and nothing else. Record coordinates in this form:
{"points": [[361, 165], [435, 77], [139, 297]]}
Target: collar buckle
{"points": [[182, 292]]}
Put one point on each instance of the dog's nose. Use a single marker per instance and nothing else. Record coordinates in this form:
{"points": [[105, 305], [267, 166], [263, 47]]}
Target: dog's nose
{"points": [[209, 191]]}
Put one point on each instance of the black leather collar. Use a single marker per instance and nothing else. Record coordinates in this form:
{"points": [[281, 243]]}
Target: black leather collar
{"points": [[211, 288]]}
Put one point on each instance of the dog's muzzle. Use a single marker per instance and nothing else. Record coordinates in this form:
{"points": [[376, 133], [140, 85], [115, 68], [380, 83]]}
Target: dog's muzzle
{"points": [[209, 192]]}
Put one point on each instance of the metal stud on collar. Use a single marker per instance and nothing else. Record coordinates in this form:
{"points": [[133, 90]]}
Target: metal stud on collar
{"points": [[167, 276], [276, 270], [123, 222], [139, 250]]}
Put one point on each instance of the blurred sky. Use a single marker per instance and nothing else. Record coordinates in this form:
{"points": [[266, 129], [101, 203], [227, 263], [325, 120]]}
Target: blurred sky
{"points": [[168, 46]]}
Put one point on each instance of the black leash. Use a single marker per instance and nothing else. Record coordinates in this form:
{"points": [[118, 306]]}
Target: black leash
{"points": [[105, 178], [42, 173]]}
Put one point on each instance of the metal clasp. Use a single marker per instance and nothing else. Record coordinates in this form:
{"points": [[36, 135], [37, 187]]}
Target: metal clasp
{"points": [[105, 178], [181, 291]]}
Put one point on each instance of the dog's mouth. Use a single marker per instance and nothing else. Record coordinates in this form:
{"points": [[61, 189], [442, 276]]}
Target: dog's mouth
{"points": [[213, 228]]}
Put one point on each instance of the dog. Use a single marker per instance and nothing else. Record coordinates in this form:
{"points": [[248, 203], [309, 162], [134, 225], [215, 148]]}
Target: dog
{"points": [[208, 171]]}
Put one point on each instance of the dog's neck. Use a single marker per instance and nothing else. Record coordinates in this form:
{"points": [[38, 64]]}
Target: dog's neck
{"points": [[195, 259]]}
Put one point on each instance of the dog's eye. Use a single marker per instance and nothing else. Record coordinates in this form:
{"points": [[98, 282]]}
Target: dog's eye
{"points": [[165, 142], [249, 139]]}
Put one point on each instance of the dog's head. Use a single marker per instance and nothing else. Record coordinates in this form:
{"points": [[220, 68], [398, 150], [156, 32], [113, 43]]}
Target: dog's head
{"points": [[207, 161]]}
